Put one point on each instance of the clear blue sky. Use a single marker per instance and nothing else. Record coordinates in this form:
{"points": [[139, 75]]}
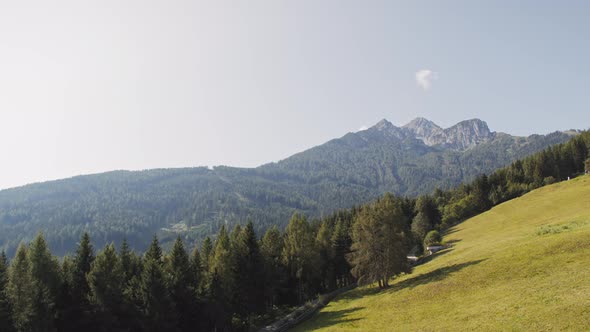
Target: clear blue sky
{"points": [[91, 86]]}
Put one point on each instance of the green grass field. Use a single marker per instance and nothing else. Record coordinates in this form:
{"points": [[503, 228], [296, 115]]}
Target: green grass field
{"points": [[522, 266]]}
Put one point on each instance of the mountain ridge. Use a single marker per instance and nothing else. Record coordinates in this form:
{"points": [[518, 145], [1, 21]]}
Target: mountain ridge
{"points": [[459, 137], [340, 173]]}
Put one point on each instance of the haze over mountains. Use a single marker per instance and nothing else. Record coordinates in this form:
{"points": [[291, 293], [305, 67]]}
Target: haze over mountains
{"points": [[409, 160]]}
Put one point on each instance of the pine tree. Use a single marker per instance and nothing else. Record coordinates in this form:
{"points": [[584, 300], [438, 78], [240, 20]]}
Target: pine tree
{"points": [[248, 272], [235, 233], [156, 304], [20, 290], [105, 280], [81, 311], [271, 249], [300, 256], [221, 285], [324, 245], [154, 251], [69, 314], [481, 192], [6, 323], [131, 266], [182, 286], [46, 276], [82, 264], [196, 269], [129, 262], [217, 311], [221, 261], [341, 243], [206, 258]]}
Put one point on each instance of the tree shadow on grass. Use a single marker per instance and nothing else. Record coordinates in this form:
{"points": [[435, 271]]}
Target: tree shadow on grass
{"points": [[450, 230], [432, 276], [420, 279], [332, 318]]}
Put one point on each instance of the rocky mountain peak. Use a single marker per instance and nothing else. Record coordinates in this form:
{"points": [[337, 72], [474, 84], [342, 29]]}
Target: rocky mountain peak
{"points": [[423, 128], [383, 124], [420, 122], [467, 134], [477, 126], [462, 136]]}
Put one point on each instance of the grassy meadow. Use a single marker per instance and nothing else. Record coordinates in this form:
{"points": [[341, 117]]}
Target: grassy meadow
{"points": [[522, 266]]}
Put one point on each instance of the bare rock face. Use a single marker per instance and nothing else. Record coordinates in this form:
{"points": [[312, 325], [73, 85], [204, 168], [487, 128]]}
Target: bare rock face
{"points": [[467, 134], [426, 131], [460, 137]]}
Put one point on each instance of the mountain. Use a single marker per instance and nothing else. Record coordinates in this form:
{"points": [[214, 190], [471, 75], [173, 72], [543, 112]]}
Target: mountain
{"points": [[194, 202], [522, 265]]}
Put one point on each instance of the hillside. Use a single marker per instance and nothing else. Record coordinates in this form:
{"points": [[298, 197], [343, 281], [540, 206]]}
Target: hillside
{"points": [[521, 266], [195, 202]]}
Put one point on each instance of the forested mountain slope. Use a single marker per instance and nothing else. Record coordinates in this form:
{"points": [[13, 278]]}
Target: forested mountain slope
{"points": [[195, 202], [522, 266]]}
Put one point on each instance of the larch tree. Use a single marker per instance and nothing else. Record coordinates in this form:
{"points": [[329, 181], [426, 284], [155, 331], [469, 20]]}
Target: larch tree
{"points": [[381, 241]]}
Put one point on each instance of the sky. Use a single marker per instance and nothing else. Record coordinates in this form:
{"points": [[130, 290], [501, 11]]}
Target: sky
{"points": [[93, 86]]}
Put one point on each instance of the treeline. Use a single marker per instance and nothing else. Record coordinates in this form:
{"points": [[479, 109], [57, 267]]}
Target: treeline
{"points": [[225, 285], [444, 209]]}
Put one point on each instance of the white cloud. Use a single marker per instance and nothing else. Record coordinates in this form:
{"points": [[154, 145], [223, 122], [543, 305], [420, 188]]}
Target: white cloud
{"points": [[425, 77]]}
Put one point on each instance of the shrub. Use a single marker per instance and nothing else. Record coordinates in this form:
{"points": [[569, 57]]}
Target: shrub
{"points": [[432, 238], [549, 180]]}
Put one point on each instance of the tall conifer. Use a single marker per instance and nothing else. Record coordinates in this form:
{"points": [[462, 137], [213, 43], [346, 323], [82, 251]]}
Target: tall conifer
{"points": [[6, 323], [20, 289], [182, 285], [46, 277], [105, 280], [156, 304]]}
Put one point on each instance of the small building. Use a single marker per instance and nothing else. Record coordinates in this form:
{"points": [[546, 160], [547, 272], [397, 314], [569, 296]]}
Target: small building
{"points": [[433, 249], [412, 258]]}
